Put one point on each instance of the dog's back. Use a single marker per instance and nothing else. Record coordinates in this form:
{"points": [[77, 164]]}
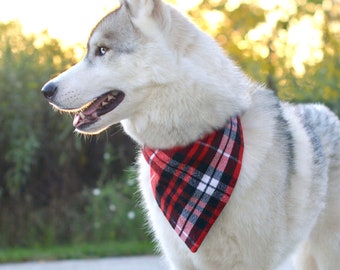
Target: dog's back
{"points": [[324, 129], [321, 249]]}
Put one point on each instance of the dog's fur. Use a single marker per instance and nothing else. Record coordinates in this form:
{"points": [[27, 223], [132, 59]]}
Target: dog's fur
{"points": [[179, 86]]}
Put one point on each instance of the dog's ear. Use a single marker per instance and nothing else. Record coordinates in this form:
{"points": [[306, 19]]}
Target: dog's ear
{"points": [[140, 8], [145, 15]]}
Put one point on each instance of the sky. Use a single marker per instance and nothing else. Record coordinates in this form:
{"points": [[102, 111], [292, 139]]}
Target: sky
{"points": [[70, 21]]}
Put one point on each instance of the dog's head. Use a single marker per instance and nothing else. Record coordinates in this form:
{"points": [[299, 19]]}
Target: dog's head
{"points": [[149, 68], [126, 57]]}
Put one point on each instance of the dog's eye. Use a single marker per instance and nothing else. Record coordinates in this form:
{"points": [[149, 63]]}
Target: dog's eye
{"points": [[101, 51]]}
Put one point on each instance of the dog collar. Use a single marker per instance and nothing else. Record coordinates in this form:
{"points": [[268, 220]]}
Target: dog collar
{"points": [[193, 184]]}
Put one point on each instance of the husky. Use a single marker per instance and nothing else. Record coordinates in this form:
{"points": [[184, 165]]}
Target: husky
{"points": [[231, 177]]}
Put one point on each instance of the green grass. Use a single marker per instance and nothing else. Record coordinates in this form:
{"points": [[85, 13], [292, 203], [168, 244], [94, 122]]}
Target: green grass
{"points": [[80, 251]]}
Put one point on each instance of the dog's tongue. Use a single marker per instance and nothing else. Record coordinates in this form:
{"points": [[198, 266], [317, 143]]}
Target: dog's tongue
{"points": [[89, 114], [81, 119]]}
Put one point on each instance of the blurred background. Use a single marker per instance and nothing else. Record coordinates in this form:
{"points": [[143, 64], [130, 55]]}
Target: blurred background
{"points": [[63, 195]]}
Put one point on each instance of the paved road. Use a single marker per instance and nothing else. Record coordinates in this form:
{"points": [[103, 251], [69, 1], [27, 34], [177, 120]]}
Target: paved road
{"points": [[129, 263]]}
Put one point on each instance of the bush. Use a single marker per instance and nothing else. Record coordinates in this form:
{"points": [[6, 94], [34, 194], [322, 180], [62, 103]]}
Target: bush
{"points": [[113, 212], [47, 173]]}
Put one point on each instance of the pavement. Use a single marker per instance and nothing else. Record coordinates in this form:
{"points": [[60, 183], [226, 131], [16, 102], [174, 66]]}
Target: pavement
{"points": [[128, 263]]}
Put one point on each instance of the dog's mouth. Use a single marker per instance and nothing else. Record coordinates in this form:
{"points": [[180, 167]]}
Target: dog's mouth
{"points": [[90, 112]]}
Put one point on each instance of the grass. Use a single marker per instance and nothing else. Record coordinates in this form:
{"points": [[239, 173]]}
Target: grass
{"points": [[80, 251]]}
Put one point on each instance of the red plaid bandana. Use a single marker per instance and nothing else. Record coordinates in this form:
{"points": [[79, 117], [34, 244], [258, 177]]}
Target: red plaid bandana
{"points": [[193, 184]]}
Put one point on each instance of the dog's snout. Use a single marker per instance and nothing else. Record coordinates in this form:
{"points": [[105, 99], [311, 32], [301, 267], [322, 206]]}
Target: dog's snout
{"points": [[49, 90]]}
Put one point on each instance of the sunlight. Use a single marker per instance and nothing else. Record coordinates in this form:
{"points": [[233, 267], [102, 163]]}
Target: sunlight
{"points": [[289, 6], [214, 19], [301, 43], [186, 5], [231, 5], [71, 22], [305, 39]]}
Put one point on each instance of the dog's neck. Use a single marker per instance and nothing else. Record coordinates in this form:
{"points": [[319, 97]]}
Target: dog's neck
{"points": [[183, 113]]}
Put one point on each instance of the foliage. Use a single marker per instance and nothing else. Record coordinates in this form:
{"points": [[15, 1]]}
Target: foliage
{"points": [[22, 113], [294, 48], [78, 251], [112, 212], [47, 173]]}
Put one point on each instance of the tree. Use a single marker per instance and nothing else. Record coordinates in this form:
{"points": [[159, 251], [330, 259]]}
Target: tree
{"points": [[45, 169], [24, 117], [291, 46]]}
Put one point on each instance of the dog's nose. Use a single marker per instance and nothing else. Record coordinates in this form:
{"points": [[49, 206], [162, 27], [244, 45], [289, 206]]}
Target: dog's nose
{"points": [[49, 90]]}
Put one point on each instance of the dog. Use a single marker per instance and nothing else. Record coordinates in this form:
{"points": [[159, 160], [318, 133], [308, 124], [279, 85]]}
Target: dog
{"points": [[231, 177]]}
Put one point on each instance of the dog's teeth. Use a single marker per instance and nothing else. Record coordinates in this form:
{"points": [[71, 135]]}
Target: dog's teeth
{"points": [[104, 103], [110, 97], [76, 120], [82, 116]]}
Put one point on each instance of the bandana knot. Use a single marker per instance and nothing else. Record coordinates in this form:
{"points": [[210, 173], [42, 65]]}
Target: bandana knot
{"points": [[192, 184]]}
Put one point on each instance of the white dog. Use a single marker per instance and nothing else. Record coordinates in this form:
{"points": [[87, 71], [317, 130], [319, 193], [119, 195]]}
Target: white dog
{"points": [[231, 177]]}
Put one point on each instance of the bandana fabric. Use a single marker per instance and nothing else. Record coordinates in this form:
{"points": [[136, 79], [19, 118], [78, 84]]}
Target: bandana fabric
{"points": [[192, 184]]}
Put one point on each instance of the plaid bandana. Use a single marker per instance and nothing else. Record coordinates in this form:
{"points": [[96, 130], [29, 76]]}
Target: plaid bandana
{"points": [[192, 184]]}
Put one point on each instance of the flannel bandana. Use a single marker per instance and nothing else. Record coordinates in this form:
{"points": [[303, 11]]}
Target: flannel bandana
{"points": [[193, 184]]}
